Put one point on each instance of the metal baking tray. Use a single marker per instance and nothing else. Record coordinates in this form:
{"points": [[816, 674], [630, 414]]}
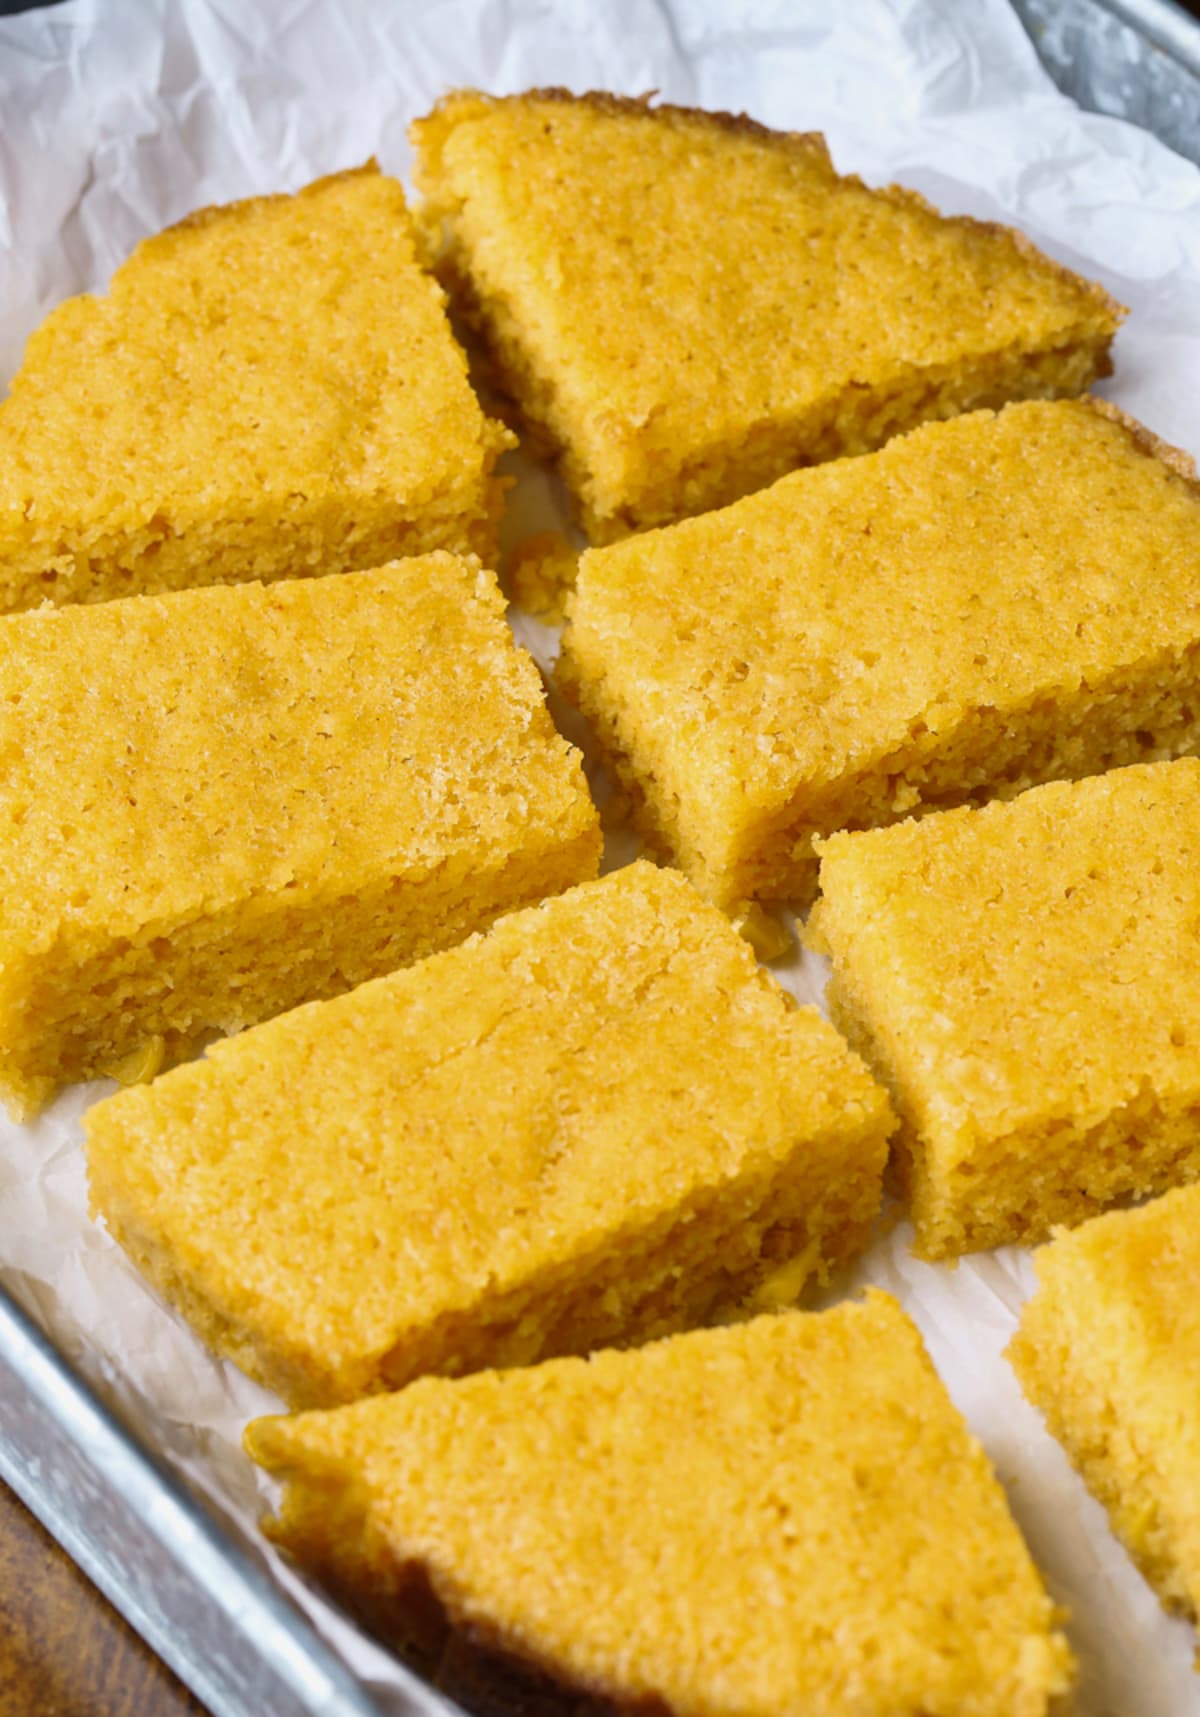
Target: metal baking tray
{"points": [[1134, 59], [166, 1564]]}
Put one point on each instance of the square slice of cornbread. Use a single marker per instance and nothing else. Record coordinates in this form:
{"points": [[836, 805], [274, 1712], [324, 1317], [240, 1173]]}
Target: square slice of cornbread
{"points": [[777, 1519], [685, 305], [597, 1123], [218, 803], [982, 605], [1025, 979], [266, 390], [1109, 1350]]}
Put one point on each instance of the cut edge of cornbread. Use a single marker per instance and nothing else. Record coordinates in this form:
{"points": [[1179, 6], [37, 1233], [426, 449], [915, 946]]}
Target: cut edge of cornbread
{"points": [[1069, 1361], [342, 1514], [751, 1244], [966, 1192], [219, 984], [1088, 1169], [1176, 459], [306, 542], [1160, 695], [178, 541], [717, 475], [1029, 743]]}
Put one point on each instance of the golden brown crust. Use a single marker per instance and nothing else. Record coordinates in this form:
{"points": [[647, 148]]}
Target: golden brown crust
{"points": [[1153, 446], [644, 106], [809, 144], [1103, 303], [213, 212]]}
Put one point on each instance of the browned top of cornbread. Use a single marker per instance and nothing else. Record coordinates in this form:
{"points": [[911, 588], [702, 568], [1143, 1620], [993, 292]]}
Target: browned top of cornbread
{"points": [[578, 1074], [1035, 960], [166, 756], [859, 610], [278, 345], [695, 274], [782, 1519]]}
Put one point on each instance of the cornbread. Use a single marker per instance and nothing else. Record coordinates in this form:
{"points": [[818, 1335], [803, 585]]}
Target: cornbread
{"points": [[1109, 1350], [985, 604], [541, 569], [218, 803], [685, 305], [599, 1122], [1026, 981], [267, 389], [786, 1518]]}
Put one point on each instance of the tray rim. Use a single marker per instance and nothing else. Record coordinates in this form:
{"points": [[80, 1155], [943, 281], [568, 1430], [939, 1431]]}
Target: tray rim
{"points": [[1165, 24], [55, 1398]]}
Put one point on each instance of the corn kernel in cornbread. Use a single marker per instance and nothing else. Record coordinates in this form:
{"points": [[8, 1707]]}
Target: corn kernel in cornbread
{"points": [[784, 1518], [596, 1123], [218, 803], [266, 390], [984, 604], [1026, 980], [686, 305], [1109, 1350]]}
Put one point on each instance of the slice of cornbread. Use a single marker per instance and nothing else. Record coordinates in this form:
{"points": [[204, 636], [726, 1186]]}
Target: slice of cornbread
{"points": [[268, 389], [786, 1518], [1109, 1350], [984, 604], [685, 304], [1026, 980], [219, 803], [599, 1122]]}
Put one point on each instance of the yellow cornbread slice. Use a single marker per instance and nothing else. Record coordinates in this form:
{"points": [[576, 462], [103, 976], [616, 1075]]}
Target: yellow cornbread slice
{"points": [[266, 390], [218, 803], [1026, 980], [685, 305], [596, 1123], [982, 605], [786, 1518], [1109, 1349]]}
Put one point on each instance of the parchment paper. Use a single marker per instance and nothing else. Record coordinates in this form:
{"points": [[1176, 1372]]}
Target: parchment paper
{"points": [[114, 122]]}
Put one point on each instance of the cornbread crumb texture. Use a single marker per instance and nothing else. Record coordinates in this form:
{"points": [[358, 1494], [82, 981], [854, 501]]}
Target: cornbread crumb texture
{"points": [[786, 1518], [1109, 1349], [541, 574], [686, 306], [596, 1123], [1026, 980], [218, 803], [267, 389], [982, 605]]}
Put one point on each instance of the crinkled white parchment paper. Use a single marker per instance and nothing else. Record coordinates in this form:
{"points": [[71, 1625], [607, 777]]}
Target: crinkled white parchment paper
{"points": [[114, 122]]}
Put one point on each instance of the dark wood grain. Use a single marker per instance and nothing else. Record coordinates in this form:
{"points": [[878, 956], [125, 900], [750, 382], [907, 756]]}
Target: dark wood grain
{"points": [[64, 1651]]}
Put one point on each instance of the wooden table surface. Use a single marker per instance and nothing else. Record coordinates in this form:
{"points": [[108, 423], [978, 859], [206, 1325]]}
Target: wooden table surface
{"points": [[65, 1652]]}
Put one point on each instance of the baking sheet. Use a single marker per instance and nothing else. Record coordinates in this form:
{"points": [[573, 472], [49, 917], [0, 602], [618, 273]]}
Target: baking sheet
{"points": [[1139, 59], [113, 124]]}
